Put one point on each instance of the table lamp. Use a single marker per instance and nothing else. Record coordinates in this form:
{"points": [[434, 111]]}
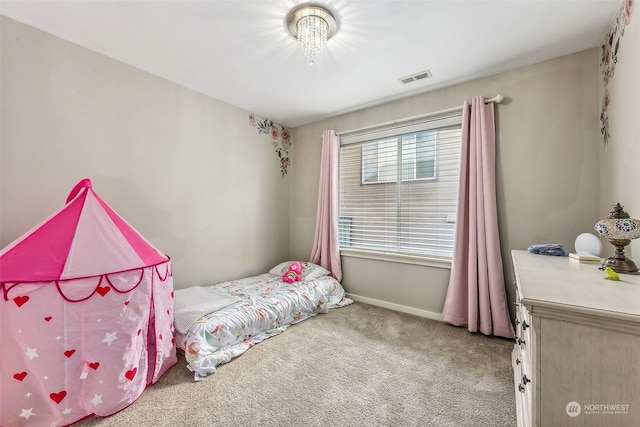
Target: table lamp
{"points": [[619, 228]]}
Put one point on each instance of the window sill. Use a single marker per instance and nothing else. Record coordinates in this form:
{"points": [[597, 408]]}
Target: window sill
{"points": [[397, 258]]}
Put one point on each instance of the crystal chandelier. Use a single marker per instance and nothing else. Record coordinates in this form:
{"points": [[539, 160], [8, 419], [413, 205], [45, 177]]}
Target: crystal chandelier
{"points": [[312, 26]]}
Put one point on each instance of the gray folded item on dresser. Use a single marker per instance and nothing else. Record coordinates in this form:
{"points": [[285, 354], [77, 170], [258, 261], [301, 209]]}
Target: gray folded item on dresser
{"points": [[553, 249]]}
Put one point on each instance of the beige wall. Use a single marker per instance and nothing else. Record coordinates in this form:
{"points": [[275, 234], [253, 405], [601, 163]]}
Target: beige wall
{"points": [[620, 160], [547, 172], [185, 170]]}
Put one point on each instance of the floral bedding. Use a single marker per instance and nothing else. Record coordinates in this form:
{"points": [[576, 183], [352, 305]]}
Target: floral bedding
{"points": [[267, 307]]}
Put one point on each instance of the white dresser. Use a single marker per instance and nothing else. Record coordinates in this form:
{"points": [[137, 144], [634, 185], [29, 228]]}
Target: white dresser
{"points": [[576, 360]]}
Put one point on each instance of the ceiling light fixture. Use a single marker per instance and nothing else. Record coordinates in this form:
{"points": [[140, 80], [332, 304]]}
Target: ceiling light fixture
{"points": [[312, 26]]}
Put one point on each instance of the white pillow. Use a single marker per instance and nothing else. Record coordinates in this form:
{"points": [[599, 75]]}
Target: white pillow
{"points": [[309, 271]]}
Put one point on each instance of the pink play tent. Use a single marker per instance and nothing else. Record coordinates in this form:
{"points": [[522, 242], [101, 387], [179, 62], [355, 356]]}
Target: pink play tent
{"points": [[86, 316]]}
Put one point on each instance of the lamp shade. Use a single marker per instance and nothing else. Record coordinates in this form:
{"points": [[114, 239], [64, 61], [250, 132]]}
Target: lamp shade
{"points": [[620, 229]]}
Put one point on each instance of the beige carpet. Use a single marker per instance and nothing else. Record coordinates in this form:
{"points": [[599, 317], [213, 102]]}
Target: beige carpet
{"points": [[355, 366]]}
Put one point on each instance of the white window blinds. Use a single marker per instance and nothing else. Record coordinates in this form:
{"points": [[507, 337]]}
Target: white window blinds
{"points": [[399, 188]]}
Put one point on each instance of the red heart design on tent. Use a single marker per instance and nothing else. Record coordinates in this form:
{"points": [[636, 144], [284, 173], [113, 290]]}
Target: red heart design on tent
{"points": [[168, 312], [130, 374], [69, 353], [173, 341], [57, 397], [171, 294], [160, 336], [21, 300], [20, 376], [139, 330], [102, 290], [48, 318], [94, 365], [126, 303]]}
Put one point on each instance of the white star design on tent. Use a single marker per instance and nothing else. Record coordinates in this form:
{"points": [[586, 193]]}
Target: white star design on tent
{"points": [[110, 337], [28, 394], [31, 353], [26, 413], [67, 411], [97, 399]]}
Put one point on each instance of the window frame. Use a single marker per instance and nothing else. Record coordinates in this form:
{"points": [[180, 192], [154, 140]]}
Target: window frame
{"points": [[451, 120]]}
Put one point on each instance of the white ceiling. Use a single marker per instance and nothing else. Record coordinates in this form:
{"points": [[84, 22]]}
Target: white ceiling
{"points": [[239, 51]]}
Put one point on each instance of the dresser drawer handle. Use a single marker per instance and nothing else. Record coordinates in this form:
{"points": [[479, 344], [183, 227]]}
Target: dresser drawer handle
{"points": [[520, 341], [517, 322], [518, 361], [520, 388], [525, 380], [525, 325]]}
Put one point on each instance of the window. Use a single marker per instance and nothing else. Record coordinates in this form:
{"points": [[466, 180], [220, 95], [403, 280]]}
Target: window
{"points": [[380, 159], [399, 189]]}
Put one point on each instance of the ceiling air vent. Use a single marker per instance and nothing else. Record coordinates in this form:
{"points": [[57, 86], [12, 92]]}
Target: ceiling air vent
{"points": [[415, 77]]}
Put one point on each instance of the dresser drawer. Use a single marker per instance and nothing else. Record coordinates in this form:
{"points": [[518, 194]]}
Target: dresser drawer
{"points": [[522, 389], [523, 328], [523, 332], [518, 291]]}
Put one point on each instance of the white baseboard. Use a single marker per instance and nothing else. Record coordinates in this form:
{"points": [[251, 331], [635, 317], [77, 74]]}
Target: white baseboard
{"points": [[397, 307]]}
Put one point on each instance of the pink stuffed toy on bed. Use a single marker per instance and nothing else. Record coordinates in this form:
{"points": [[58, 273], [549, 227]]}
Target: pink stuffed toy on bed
{"points": [[293, 273]]}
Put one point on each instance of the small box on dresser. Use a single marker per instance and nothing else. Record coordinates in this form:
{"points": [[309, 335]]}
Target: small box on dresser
{"points": [[576, 358]]}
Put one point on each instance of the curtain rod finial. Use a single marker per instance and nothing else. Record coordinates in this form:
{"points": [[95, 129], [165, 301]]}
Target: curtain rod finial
{"points": [[497, 99]]}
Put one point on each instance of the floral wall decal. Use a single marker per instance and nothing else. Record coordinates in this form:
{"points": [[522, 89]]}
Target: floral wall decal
{"points": [[609, 59], [280, 139]]}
